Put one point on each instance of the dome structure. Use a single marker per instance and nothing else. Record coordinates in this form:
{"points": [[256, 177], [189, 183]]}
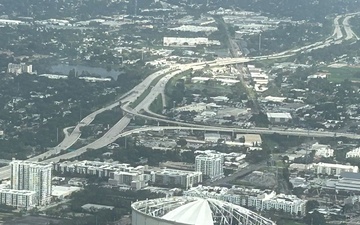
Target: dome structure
{"points": [[193, 211]]}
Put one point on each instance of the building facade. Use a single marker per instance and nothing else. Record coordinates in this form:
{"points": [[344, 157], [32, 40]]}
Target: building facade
{"points": [[181, 178], [18, 198], [135, 180], [19, 68], [279, 117], [32, 176], [252, 198], [334, 169], [211, 165], [353, 153]]}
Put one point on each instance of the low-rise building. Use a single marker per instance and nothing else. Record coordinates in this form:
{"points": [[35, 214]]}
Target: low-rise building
{"points": [[211, 137], [353, 153], [188, 42], [18, 198], [279, 117], [135, 180], [100, 169], [128, 177], [96, 207], [19, 68], [322, 150], [348, 182], [334, 169], [61, 192], [252, 198], [171, 177], [118, 173]]}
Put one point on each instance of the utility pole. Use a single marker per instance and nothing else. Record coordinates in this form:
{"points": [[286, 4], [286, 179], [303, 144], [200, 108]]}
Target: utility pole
{"points": [[136, 5], [260, 42]]}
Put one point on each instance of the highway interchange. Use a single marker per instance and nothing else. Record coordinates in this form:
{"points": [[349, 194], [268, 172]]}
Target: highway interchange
{"points": [[116, 131]]}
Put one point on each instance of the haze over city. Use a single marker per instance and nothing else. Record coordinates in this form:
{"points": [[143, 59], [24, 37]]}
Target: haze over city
{"points": [[179, 112]]}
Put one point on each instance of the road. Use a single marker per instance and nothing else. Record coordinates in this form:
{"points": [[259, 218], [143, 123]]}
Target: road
{"points": [[337, 29], [348, 30], [116, 131], [239, 173]]}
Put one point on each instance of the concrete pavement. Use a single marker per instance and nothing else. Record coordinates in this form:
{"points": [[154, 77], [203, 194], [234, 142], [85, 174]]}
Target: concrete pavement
{"points": [[131, 96]]}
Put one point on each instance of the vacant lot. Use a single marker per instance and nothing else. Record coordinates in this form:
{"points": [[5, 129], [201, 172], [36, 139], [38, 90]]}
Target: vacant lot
{"points": [[343, 73], [33, 220]]}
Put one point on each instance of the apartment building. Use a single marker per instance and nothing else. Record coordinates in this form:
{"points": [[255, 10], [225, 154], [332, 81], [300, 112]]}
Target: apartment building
{"points": [[260, 200], [355, 153], [181, 178], [32, 176], [18, 198], [19, 68], [210, 165], [122, 174]]}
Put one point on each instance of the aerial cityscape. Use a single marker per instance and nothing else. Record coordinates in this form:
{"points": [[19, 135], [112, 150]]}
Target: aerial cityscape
{"points": [[179, 112]]}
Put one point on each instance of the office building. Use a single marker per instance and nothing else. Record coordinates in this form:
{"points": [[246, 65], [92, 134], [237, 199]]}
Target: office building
{"points": [[18, 198], [211, 165], [32, 176]]}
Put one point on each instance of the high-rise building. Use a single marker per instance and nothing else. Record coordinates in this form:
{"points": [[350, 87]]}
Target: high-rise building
{"points": [[210, 165], [32, 176]]}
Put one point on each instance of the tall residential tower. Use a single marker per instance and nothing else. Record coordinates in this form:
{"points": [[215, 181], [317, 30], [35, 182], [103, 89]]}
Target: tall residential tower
{"points": [[32, 176], [210, 165]]}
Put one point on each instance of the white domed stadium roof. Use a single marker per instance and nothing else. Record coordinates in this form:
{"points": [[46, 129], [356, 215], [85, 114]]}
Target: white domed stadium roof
{"points": [[196, 212], [193, 211]]}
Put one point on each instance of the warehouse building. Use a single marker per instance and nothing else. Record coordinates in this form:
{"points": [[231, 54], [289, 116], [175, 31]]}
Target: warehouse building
{"points": [[279, 117]]}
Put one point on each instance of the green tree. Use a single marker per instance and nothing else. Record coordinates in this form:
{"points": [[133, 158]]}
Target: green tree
{"points": [[182, 142], [315, 218], [311, 205]]}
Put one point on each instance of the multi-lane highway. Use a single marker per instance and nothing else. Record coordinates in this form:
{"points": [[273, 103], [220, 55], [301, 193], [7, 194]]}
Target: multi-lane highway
{"points": [[117, 130], [348, 30]]}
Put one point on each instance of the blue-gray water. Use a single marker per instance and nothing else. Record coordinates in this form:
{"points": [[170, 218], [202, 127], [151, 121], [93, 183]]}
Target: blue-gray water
{"points": [[65, 69]]}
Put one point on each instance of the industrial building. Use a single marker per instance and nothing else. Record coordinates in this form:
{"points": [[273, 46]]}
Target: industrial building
{"points": [[193, 210], [279, 117], [188, 42], [348, 182]]}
